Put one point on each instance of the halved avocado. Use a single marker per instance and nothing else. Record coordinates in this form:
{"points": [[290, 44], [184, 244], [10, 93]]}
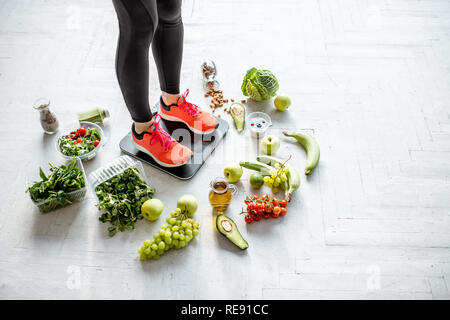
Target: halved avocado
{"points": [[237, 111], [228, 228]]}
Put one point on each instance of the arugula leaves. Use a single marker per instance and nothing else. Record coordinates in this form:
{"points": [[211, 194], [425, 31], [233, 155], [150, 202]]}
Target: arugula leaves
{"points": [[121, 198], [56, 187]]}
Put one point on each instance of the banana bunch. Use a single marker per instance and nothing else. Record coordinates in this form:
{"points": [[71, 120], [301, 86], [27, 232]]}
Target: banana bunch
{"points": [[277, 173]]}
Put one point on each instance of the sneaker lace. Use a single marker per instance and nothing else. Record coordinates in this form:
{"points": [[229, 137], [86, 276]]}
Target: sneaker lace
{"points": [[190, 108], [159, 134]]}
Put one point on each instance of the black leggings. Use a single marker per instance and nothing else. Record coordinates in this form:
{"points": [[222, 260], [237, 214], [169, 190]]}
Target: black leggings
{"points": [[141, 23]]}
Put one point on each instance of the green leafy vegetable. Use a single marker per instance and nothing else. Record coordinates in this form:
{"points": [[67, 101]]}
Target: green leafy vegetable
{"points": [[121, 198], [259, 84], [57, 186]]}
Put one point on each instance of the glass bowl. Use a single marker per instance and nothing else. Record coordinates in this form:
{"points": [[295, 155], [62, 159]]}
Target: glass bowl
{"points": [[258, 122], [83, 124]]}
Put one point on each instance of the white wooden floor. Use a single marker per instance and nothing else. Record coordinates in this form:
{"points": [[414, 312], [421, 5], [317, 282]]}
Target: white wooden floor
{"points": [[370, 79]]}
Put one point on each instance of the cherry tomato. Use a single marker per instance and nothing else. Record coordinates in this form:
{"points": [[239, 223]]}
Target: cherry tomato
{"points": [[266, 215], [275, 202], [75, 141], [283, 203], [268, 208], [255, 198], [96, 143], [248, 218], [82, 131], [274, 215], [283, 211], [257, 217], [79, 140], [251, 207], [259, 207], [276, 210]]}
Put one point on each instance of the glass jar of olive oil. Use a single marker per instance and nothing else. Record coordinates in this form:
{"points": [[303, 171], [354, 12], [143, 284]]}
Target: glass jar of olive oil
{"points": [[221, 193]]}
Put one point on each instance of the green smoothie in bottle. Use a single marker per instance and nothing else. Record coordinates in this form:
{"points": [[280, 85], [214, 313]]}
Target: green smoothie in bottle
{"points": [[94, 115]]}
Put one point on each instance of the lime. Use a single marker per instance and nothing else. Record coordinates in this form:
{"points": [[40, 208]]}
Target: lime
{"points": [[256, 180]]}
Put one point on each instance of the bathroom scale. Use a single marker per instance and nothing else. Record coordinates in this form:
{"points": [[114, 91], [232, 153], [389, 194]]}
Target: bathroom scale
{"points": [[201, 145]]}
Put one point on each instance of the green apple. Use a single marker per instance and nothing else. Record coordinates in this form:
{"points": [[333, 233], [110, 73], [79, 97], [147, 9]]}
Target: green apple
{"points": [[188, 204], [152, 209], [256, 180], [270, 144], [282, 102], [233, 173]]}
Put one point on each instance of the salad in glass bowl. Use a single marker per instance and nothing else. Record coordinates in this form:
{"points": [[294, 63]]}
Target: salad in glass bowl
{"points": [[83, 142]]}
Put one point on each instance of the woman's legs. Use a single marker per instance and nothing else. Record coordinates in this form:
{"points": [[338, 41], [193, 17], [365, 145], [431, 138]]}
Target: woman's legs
{"points": [[167, 48], [138, 21]]}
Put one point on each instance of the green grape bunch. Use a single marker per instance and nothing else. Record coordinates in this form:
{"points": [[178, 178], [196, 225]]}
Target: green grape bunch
{"points": [[178, 232], [276, 177]]}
